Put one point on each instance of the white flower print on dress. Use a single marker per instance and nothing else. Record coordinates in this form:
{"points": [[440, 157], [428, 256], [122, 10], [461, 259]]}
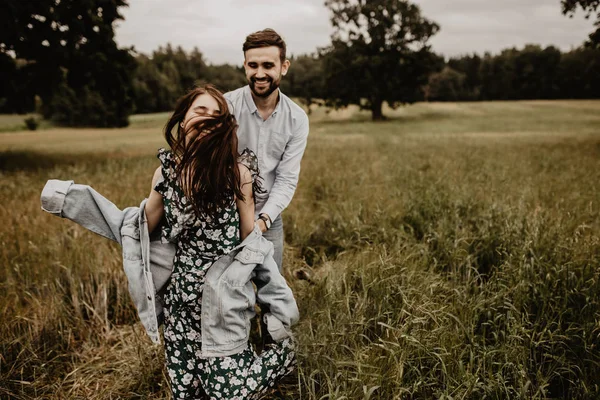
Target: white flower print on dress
{"points": [[231, 231], [187, 378]]}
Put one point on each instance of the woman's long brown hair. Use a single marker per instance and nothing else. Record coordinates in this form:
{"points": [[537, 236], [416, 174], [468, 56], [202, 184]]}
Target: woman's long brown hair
{"points": [[207, 166]]}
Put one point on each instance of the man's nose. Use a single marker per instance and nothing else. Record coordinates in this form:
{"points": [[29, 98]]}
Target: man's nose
{"points": [[260, 73]]}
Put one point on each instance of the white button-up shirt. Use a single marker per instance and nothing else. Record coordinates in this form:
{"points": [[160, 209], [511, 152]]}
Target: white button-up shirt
{"points": [[278, 142]]}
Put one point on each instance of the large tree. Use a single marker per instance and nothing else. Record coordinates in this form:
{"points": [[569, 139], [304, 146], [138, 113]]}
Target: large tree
{"points": [[589, 6], [305, 80], [77, 69], [379, 52]]}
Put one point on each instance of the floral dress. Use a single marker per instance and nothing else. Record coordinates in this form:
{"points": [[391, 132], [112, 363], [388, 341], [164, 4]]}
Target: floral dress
{"points": [[200, 242]]}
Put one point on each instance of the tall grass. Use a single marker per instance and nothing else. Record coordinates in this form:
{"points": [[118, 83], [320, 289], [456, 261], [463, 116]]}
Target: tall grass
{"points": [[452, 252]]}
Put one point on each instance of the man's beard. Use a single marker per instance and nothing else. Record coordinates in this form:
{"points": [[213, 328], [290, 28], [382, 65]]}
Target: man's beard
{"points": [[270, 89]]}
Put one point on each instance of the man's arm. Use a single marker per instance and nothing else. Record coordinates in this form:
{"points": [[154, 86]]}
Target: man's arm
{"points": [[287, 173]]}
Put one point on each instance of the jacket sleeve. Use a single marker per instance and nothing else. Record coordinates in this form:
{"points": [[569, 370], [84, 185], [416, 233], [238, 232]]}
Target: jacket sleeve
{"points": [[84, 206], [274, 292]]}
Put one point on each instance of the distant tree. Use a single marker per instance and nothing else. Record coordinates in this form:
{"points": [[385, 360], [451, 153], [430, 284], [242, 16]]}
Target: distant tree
{"points": [[71, 57], [181, 68], [225, 77], [535, 72], [532, 72], [153, 90], [189, 67], [589, 6], [578, 75], [379, 52], [446, 85], [305, 79], [497, 76], [17, 93], [161, 78], [470, 67]]}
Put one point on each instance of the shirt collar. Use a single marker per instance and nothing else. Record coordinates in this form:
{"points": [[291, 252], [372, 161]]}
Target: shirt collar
{"points": [[252, 106]]}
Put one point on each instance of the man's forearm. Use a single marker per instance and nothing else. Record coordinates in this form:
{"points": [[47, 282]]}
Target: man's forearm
{"points": [[279, 198]]}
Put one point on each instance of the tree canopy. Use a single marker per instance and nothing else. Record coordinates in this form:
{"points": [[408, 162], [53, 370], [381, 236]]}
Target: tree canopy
{"points": [[379, 52], [532, 72], [305, 79], [70, 58]]}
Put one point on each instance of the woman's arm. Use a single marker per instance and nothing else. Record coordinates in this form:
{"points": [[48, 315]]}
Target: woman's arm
{"points": [[246, 207], [154, 205]]}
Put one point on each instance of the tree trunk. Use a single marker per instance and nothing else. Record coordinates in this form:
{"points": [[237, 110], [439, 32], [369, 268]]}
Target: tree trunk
{"points": [[376, 112]]}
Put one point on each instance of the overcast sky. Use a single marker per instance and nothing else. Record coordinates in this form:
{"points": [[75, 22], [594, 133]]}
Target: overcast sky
{"points": [[218, 27]]}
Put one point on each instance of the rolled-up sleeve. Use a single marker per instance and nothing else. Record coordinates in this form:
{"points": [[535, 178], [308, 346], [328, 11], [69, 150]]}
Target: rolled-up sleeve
{"points": [[288, 171], [53, 196], [83, 205]]}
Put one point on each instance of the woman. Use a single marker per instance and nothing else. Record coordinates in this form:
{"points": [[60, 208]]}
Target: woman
{"points": [[205, 191]]}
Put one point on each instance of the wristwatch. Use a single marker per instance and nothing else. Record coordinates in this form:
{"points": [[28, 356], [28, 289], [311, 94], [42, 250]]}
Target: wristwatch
{"points": [[266, 218]]}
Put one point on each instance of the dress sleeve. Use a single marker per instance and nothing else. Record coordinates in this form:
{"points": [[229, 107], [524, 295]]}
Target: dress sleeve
{"points": [[167, 171]]}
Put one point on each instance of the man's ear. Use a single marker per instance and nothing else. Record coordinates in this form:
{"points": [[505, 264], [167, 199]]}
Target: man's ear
{"points": [[285, 66]]}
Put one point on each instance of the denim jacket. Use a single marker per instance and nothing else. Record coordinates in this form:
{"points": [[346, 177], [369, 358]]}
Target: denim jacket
{"points": [[229, 297]]}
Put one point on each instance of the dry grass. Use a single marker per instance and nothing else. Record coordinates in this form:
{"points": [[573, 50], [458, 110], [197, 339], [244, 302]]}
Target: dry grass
{"points": [[453, 252]]}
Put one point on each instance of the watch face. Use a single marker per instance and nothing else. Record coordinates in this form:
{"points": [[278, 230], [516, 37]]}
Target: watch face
{"points": [[266, 220]]}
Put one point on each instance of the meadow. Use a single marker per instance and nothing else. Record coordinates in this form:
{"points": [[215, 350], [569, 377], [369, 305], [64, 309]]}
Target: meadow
{"points": [[451, 252]]}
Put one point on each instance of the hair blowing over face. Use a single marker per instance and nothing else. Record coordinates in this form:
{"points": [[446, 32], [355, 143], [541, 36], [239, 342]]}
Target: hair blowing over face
{"points": [[265, 38], [207, 166]]}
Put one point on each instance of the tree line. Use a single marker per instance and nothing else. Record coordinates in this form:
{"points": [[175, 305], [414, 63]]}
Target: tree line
{"points": [[530, 73], [59, 57]]}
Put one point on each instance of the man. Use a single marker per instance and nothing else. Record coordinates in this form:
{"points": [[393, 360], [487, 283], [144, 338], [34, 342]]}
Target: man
{"points": [[271, 125]]}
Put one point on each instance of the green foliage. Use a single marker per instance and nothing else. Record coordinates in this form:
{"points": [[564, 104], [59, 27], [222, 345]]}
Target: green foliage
{"points": [[518, 74], [85, 108], [16, 89], [161, 79], [153, 90], [225, 77], [306, 79], [31, 123], [71, 43], [446, 85], [379, 52]]}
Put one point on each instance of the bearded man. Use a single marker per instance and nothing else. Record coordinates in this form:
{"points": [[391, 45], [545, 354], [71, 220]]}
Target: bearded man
{"points": [[271, 125]]}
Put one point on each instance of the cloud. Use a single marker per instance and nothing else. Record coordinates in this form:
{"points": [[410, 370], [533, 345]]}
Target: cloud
{"points": [[469, 26]]}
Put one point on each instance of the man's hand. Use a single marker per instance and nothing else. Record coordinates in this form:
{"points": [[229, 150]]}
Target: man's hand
{"points": [[261, 225]]}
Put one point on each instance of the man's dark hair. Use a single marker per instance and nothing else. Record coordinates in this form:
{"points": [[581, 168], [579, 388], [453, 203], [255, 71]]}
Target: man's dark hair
{"points": [[265, 38]]}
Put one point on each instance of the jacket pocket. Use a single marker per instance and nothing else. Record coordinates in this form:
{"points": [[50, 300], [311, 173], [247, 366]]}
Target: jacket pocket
{"points": [[249, 255], [236, 308], [130, 240]]}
